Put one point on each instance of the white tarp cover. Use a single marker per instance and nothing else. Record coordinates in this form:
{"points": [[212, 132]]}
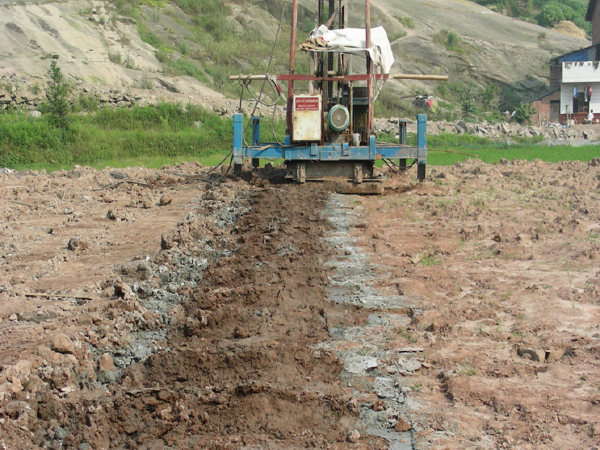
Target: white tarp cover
{"points": [[354, 40]]}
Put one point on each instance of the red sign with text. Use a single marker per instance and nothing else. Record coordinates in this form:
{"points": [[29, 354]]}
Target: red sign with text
{"points": [[307, 103]]}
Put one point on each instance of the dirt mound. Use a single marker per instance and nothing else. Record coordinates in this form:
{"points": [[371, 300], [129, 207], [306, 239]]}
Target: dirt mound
{"points": [[568, 28], [210, 343]]}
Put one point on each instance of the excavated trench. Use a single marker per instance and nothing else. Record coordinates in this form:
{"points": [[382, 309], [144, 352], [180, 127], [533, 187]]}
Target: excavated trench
{"points": [[248, 309]]}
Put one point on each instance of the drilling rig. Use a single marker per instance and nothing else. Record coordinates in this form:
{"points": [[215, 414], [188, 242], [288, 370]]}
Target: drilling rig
{"points": [[330, 112]]}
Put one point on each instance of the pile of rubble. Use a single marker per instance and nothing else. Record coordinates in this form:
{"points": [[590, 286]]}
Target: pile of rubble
{"points": [[495, 131]]}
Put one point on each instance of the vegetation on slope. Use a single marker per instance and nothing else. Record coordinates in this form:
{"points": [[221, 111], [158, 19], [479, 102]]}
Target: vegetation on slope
{"points": [[546, 13]]}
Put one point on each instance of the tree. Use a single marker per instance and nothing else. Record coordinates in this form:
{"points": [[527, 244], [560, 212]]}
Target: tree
{"points": [[466, 98], [58, 106], [488, 95], [524, 112]]}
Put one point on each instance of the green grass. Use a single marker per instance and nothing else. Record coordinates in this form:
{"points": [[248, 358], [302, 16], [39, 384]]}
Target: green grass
{"points": [[167, 133], [492, 152], [149, 136]]}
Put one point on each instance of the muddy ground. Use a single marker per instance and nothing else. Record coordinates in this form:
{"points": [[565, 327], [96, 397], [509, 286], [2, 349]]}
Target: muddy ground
{"points": [[151, 309]]}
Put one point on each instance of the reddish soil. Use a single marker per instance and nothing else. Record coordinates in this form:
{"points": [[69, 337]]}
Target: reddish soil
{"points": [[504, 260], [223, 286]]}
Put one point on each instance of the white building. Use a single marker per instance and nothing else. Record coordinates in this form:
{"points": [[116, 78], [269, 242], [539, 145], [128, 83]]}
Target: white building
{"points": [[580, 89]]}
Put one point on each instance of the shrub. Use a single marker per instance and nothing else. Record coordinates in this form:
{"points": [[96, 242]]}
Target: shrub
{"points": [[56, 94], [148, 36], [524, 112], [115, 57], [144, 82], [406, 21]]}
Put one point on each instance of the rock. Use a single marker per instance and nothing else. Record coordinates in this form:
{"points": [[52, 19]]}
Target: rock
{"points": [[13, 317], [402, 426], [379, 405], [34, 383], [108, 198], [77, 243], [16, 385], [168, 85], [62, 344], [533, 354], [166, 243], [118, 175], [107, 376], [111, 215], [165, 200], [105, 362], [240, 333], [554, 354], [122, 289], [412, 366], [361, 364], [17, 409], [35, 114], [353, 437]]}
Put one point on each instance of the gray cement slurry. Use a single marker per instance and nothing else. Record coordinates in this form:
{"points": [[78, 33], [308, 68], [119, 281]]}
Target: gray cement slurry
{"points": [[366, 360]]}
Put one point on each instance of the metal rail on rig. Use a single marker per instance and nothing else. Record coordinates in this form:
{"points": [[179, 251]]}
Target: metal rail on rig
{"points": [[331, 152]]}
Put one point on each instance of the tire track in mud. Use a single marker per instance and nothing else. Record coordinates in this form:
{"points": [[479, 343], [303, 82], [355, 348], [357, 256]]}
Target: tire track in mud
{"points": [[242, 369]]}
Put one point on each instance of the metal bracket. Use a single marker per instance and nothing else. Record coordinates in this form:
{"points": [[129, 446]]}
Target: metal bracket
{"points": [[301, 173], [358, 173]]}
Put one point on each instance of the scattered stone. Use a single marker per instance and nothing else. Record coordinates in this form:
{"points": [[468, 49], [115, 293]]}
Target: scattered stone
{"points": [[412, 366], [111, 215], [353, 437], [107, 376], [240, 333], [533, 354], [108, 198], [62, 344], [122, 289], [13, 318], [77, 243], [105, 362], [165, 200], [166, 243], [18, 409], [554, 354], [361, 364], [379, 405], [402, 426], [16, 385]]}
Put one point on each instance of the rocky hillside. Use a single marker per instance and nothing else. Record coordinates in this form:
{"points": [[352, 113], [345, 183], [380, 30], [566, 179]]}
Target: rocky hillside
{"points": [[186, 49]]}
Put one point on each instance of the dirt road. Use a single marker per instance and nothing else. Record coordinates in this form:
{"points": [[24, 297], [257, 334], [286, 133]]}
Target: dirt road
{"points": [[459, 313]]}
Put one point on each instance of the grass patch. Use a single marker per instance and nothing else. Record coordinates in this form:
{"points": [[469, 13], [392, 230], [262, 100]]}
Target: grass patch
{"points": [[492, 151], [166, 131], [151, 136]]}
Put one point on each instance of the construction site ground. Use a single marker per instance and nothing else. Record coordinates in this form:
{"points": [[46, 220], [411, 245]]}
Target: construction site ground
{"points": [[151, 309]]}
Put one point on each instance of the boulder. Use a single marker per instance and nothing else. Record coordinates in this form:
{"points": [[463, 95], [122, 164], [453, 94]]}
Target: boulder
{"points": [[105, 362], [62, 344]]}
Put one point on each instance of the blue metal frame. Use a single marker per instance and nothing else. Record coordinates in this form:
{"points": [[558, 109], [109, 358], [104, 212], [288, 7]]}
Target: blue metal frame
{"points": [[328, 152]]}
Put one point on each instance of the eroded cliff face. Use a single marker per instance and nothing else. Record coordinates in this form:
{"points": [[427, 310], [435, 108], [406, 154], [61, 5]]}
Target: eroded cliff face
{"points": [[97, 45]]}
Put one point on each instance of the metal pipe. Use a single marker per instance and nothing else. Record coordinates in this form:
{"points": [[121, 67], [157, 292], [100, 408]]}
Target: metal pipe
{"points": [[292, 64], [368, 22], [407, 76], [300, 77], [369, 66]]}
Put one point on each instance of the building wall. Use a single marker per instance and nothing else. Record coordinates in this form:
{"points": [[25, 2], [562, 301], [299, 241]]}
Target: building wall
{"points": [[566, 98], [596, 26], [555, 76], [543, 108], [581, 72]]}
